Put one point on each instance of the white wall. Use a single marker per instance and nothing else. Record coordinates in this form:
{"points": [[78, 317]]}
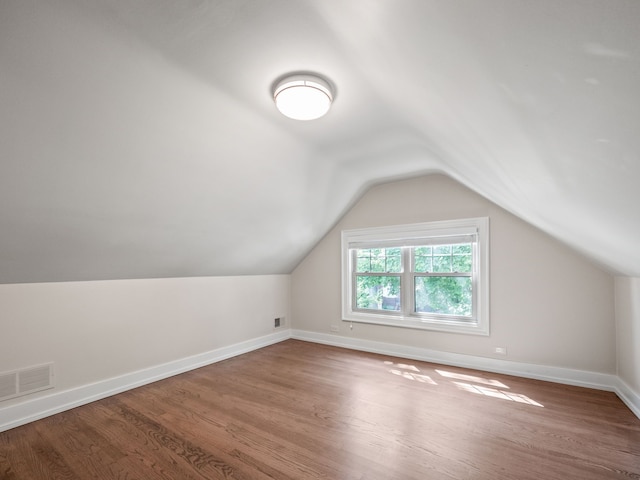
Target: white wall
{"points": [[94, 331], [549, 305], [628, 331]]}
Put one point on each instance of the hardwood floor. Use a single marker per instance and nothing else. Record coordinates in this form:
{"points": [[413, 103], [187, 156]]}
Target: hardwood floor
{"points": [[298, 410]]}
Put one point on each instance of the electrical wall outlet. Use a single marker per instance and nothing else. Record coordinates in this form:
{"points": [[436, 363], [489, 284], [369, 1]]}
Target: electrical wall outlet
{"points": [[277, 322], [501, 350]]}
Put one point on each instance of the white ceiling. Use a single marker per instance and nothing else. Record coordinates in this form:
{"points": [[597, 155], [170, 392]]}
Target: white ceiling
{"points": [[138, 139]]}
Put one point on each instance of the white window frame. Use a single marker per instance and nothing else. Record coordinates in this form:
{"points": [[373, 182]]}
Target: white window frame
{"points": [[415, 235]]}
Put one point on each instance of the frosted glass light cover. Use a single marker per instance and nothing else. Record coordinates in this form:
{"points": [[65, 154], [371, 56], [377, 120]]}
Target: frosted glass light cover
{"points": [[303, 97]]}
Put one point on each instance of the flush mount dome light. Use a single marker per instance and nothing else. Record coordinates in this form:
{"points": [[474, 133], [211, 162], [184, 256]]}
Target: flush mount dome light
{"points": [[303, 97]]}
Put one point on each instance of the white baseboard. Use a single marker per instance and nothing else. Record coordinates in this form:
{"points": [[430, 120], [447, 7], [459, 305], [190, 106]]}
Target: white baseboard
{"points": [[628, 396], [567, 376], [56, 402]]}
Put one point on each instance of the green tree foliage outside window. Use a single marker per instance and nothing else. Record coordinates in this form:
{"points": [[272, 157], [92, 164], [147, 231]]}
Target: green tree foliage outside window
{"points": [[378, 293], [443, 295]]}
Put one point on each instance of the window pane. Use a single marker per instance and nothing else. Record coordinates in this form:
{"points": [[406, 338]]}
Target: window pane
{"points": [[461, 249], [364, 264], [443, 295], [442, 250], [422, 264], [363, 258], [442, 264], [379, 260], [423, 251], [378, 293], [462, 263]]}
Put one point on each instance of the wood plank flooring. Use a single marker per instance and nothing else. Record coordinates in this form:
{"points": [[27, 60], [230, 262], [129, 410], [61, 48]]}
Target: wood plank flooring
{"points": [[298, 410]]}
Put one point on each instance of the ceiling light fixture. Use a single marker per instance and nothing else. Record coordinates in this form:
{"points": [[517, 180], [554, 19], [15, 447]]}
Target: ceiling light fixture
{"points": [[303, 96]]}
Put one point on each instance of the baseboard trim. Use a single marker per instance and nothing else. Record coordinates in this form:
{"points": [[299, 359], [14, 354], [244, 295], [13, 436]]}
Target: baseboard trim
{"points": [[567, 376], [628, 396], [40, 407]]}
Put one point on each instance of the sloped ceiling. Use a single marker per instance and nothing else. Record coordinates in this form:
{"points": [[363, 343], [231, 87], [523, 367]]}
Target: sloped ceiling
{"points": [[138, 139]]}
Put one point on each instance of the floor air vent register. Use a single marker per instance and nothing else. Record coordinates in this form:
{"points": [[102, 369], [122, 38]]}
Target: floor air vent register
{"points": [[25, 381]]}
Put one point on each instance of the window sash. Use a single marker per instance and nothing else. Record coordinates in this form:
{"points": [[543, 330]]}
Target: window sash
{"points": [[414, 257], [471, 318], [388, 259]]}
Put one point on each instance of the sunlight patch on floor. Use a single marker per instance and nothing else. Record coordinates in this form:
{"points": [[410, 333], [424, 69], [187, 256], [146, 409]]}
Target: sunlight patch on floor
{"points": [[468, 383], [472, 378], [413, 376], [495, 393], [410, 372]]}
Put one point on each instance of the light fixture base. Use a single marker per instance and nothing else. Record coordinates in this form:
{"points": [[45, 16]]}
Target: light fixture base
{"points": [[303, 96]]}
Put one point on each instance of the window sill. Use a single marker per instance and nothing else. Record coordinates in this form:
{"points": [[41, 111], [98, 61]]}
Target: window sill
{"points": [[418, 323]]}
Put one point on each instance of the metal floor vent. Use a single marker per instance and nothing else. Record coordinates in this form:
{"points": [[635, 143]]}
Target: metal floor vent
{"points": [[25, 381]]}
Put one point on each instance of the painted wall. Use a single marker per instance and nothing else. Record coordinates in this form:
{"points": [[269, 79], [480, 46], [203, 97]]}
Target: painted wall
{"points": [[549, 305], [628, 330], [99, 330]]}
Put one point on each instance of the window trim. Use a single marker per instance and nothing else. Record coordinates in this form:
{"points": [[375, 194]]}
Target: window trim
{"points": [[412, 235]]}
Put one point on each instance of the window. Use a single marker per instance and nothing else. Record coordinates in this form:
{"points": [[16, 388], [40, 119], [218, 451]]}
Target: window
{"points": [[431, 276]]}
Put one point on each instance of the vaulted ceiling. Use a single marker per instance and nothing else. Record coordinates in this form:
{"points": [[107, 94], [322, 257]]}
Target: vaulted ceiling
{"points": [[139, 139]]}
